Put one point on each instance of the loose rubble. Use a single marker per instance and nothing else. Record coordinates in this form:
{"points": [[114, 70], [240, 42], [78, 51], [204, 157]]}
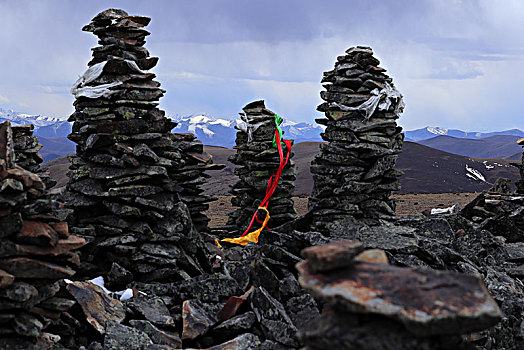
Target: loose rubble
{"points": [[354, 173], [126, 176], [36, 251], [258, 159], [410, 308]]}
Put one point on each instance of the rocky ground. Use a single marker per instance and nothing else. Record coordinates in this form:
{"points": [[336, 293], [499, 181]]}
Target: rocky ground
{"points": [[407, 204]]}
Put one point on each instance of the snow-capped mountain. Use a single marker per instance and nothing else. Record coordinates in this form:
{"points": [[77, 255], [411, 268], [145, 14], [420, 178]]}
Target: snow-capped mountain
{"points": [[433, 131], [44, 126], [222, 132]]}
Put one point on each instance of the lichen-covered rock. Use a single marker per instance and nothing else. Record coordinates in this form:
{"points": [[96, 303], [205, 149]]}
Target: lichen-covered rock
{"points": [[273, 318], [119, 336]]}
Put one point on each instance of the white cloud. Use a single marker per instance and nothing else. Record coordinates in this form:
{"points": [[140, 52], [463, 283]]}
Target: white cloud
{"points": [[3, 99]]}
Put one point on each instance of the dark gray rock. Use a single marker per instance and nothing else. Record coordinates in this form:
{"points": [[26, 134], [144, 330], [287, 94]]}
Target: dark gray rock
{"points": [[152, 308], [119, 336], [197, 319], [157, 335], [273, 318]]}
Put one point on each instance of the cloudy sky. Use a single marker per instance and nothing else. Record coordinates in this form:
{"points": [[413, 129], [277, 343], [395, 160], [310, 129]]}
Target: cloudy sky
{"points": [[459, 64]]}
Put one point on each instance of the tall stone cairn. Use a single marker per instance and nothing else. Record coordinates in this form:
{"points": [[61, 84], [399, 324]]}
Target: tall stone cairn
{"points": [[124, 181], [27, 152], [35, 253], [520, 184], [258, 160], [354, 173], [191, 176]]}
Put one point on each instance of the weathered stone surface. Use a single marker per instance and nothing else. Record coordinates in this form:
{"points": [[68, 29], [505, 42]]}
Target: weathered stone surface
{"points": [[119, 336], [6, 279], [302, 310], [207, 288], [333, 255], [429, 302], [197, 319], [338, 330], [99, 308], [397, 239], [157, 335], [236, 325], [152, 308], [376, 256], [244, 341], [27, 325], [273, 318], [19, 292], [31, 268]]}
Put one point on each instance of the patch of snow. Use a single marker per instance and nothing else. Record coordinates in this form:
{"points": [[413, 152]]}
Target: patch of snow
{"points": [[437, 130], [199, 119], [474, 174], [450, 210], [223, 122]]}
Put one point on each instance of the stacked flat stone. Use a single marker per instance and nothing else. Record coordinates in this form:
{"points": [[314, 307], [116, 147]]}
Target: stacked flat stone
{"points": [[35, 253], [520, 184], [27, 153], [124, 199], [372, 305], [258, 160], [354, 173], [191, 176]]}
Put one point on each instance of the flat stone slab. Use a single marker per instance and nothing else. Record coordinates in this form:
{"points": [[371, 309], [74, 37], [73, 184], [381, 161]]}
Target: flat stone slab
{"points": [[98, 307], [427, 302], [333, 255]]}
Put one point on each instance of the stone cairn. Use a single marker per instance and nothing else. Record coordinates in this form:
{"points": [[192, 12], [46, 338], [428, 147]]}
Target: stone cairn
{"points": [[27, 153], [373, 305], [35, 252], [520, 184], [258, 160], [354, 173], [126, 175], [191, 176]]}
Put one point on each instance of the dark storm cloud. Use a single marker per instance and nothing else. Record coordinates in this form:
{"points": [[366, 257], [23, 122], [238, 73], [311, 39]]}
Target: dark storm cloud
{"points": [[453, 60]]}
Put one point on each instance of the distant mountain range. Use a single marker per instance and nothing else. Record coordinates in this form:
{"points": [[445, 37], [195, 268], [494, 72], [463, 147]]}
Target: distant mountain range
{"points": [[44, 126], [221, 132], [499, 146], [430, 132]]}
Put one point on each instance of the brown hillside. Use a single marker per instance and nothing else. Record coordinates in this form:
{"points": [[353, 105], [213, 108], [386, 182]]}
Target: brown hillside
{"points": [[427, 170]]}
